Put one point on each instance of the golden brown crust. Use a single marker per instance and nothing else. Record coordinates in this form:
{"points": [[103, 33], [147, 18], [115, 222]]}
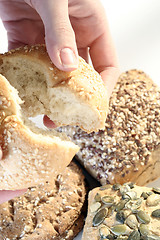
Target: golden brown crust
{"points": [[128, 149]]}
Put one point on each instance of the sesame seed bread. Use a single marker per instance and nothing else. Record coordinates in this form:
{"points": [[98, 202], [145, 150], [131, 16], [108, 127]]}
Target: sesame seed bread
{"points": [[129, 147], [30, 155], [126, 212], [76, 98], [50, 210]]}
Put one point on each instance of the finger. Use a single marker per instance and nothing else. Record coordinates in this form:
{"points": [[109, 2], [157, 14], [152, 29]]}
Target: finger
{"points": [[84, 53], [59, 35], [0, 153], [8, 195], [104, 58], [48, 123]]}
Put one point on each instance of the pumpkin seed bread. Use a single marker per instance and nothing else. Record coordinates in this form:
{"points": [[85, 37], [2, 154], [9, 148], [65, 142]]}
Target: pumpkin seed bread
{"points": [[127, 211], [51, 210], [129, 147]]}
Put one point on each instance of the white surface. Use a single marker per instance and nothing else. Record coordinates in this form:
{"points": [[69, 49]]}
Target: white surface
{"points": [[135, 27]]}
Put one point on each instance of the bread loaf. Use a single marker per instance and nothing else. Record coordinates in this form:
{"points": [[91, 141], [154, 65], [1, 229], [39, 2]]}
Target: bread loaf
{"points": [[129, 147]]}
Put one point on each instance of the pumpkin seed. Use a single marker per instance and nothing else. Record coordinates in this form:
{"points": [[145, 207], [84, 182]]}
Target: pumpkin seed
{"points": [[144, 230], [104, 187], [97, 197], [143, 217], [99, 217], [135, 235], [134, 204], [111, 211], [156, 190], [116, 186], [131, 221], [108, 200], [120, 217], [121, 205], [132, 195], [120, 229], [95, 206], [153, 200], [156, 213], [124, 189], [144, 195], [104, 232]]}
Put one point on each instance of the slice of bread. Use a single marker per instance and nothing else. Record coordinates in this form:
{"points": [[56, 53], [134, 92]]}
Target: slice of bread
{"points": [[30, 155], [68, 98]]}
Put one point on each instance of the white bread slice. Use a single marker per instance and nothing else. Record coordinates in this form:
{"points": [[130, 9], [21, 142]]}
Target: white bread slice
{"points": [[68, 98], [30, 155]]}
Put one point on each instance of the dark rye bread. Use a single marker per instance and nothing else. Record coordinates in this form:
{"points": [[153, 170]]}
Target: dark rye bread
{"points": [[49, 211], [129, 148]]}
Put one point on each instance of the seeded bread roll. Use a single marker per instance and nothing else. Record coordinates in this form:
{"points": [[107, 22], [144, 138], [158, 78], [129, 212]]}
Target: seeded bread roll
{"points": [[50, 210], [126, 212], [30, 155], [129, 147], [76, 98]]}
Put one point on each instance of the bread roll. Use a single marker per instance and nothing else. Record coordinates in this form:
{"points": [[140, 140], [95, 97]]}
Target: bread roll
{"points": [[30, 155], [123, 212], [76, 98], [129, 147]]}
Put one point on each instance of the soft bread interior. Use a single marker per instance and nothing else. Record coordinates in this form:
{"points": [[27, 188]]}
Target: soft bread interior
{"points": [[30, 154], [32, 81]]}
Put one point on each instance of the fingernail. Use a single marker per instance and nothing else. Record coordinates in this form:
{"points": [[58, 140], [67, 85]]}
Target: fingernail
{"points": [[68, 58]]}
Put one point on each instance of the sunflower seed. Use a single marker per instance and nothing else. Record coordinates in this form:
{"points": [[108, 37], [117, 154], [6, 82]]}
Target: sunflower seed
{"points": [[97, 197], [116, 186], [156, 190], [104, 187], [144, 195]]}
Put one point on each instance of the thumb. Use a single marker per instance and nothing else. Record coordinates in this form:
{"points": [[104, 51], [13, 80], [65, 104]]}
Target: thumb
{"points": [[0, 153], [59, 35]]}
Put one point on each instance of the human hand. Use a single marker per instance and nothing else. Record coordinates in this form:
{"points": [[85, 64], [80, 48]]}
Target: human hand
{"points": [[7, 195], [68, 28]]}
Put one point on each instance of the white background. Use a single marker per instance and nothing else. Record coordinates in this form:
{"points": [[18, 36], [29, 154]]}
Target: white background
{"points": [[135, 27]]}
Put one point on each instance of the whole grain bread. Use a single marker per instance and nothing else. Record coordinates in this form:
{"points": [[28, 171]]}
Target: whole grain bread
{"points": [[123, 212], [76, 98], [50, 210], [129, 147]]}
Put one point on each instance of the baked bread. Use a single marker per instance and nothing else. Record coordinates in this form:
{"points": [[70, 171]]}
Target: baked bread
{"points": [[126, 212], [129, 147], [51, 210], [30, 155], [76, 98]]}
